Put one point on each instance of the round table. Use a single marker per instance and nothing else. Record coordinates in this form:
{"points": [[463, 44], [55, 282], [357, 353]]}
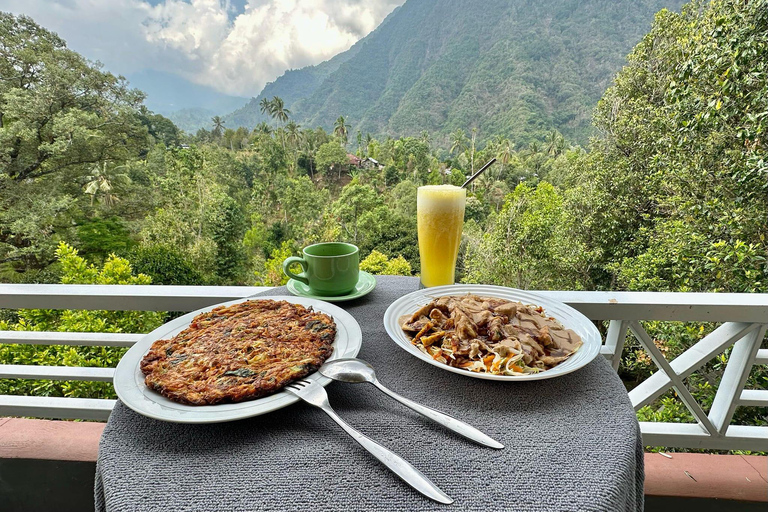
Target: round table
{"points": [[571, 443]]}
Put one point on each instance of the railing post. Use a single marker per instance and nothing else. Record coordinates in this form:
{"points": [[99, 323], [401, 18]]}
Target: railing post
{"points": [[614, 341], [677, 382], [734, 378]]}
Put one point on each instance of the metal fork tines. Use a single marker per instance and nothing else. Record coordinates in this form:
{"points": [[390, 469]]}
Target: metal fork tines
{"points": [[313, 393]]}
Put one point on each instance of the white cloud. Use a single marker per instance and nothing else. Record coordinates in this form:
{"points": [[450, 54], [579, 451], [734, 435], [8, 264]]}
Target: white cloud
{"points": [[199, 40]]}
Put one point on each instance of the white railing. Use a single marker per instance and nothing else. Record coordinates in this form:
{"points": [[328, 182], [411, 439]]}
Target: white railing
{"points": [[744, 318]]}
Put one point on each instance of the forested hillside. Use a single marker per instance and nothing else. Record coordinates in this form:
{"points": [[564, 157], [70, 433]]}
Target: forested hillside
{"points": [[514, 68]]}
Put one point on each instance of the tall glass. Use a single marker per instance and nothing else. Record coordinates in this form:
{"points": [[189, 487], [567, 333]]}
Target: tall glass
{"points": [[440, 215]]}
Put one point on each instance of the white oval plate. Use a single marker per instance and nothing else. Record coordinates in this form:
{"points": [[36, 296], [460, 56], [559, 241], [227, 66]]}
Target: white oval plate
{"points": [[129, 381], [566, 315]]}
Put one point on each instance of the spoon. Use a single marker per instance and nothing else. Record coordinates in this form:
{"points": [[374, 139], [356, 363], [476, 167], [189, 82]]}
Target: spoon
{"points": [[357, 371]]}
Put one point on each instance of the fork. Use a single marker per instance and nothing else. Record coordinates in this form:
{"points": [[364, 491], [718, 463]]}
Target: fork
{"points": [[314, 394]]}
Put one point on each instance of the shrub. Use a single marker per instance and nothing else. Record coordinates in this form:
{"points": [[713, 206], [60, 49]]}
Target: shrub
{"points": [[75, 270], [165, 265], [378, 263]]}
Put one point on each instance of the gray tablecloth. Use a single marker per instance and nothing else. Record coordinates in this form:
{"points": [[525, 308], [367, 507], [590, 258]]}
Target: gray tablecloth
{"points": [[572, 443]]}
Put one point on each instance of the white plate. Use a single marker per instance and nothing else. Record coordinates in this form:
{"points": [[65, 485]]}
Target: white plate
{"points": [[566, 315], [129, 381]]}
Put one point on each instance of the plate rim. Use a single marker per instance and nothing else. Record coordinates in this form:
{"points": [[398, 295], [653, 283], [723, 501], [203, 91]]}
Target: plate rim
{"points": [[133, 395], [291, 285], [591, 346]]}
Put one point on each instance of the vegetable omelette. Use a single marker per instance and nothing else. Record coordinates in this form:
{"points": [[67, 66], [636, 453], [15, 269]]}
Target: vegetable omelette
{"points": [[239, 352]]}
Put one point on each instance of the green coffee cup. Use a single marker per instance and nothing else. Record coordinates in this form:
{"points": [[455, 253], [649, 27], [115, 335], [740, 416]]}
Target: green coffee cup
{"points": [[329, 268]]}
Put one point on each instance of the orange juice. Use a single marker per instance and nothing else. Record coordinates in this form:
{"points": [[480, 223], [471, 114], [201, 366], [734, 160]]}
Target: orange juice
{"points": [[440, 215]]}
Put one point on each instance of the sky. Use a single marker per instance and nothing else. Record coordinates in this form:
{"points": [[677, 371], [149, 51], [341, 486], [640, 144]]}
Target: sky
{"points": [[232, 46]]}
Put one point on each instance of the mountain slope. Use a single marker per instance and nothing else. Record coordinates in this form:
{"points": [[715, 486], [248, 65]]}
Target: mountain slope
{"points": [[292, 86], [515, 68]]}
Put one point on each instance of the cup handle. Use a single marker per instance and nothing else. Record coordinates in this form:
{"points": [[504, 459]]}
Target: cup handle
{"points": [[300, 277]]}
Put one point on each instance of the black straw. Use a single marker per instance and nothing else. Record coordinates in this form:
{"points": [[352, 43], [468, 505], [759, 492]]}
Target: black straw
{"points": [[472, 178]]}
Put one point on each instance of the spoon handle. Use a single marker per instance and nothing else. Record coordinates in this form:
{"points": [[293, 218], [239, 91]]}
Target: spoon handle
{"points": [[457, 426]]}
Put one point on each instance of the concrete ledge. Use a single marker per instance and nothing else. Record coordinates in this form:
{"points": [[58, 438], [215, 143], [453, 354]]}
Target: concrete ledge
{"points": [[74, 441], [699, 475], [731, 478]]}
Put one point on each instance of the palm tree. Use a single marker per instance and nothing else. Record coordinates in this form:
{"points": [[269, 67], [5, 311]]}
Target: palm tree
{"points": [[458, 141], [534, 157], [555, 143], [100, 184], [472, 153], [360, 144], [340, 129], [533, 149], [309, 137], [504, 152], [293, 134], [263, 128], [218, 126], [367, 141], [279, 112], [265, 106], [280, 134]]}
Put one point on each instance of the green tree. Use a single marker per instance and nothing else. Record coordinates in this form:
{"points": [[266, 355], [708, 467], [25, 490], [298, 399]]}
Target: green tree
{"points": [[331, 157], [59, 116], [402, 198], [533, 243], [298, 206], [340, 130], [504, 152], [374, 263], [160, 128], [57, 111], [674, 192], [263, 128], [200, 209], [101, 236], [361, 150], [278, 110], [227, 229], [459, 141], [310, 142], [555, 143], [398, 267], [293, 137], [354, 201]]}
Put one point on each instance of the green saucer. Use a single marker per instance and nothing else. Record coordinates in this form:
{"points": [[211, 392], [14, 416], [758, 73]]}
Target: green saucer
{"points": [[365, 283]]}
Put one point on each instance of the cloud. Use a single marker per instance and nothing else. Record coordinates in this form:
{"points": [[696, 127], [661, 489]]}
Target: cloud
{"points": [[209, 42], [108, 31]]}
